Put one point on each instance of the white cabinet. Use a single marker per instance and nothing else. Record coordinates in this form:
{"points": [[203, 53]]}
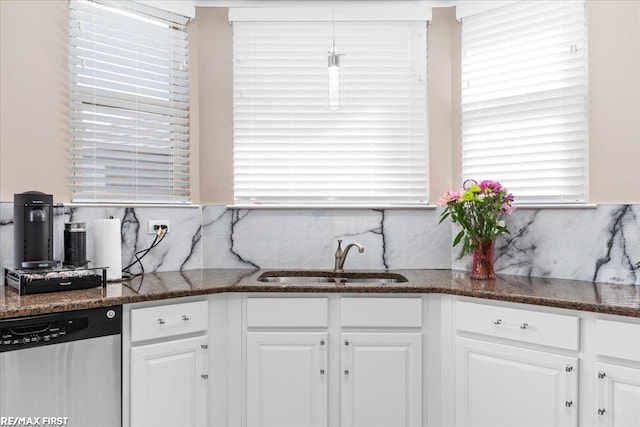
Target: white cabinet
{"points": [[508, 370], [617, 379], [168, 372], [286, 363], [361, 367], [504, 386], [617, 396], [322, 360], [381, 379], [169, 384], [286, 379], [381, 361]]}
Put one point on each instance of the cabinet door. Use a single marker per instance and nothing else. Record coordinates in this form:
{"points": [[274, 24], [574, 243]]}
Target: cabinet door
{"points": [[168, 384], [506, 386], [381, 379], [617, 396], [287, 379]]}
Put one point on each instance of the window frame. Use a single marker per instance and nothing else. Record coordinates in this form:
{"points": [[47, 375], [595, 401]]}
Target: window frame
{"points": [[565, 132], [130, 129], [324, 15]]}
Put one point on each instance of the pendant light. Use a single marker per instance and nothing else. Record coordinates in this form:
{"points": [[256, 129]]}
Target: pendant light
{"points": [[335, 87]]}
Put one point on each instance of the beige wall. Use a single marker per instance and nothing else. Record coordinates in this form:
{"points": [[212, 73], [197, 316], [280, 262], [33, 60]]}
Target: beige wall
{"points": [[34, 98], [34, 133], [34, 101], [443, 30], [215, 57], [614, 101]]}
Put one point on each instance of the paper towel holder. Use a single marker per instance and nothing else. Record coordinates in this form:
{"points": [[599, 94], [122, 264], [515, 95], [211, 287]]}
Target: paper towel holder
{"points": [[107, 249]]}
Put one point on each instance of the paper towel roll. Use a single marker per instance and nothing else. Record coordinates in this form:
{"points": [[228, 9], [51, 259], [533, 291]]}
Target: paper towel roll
{"points": [[107, 247]]}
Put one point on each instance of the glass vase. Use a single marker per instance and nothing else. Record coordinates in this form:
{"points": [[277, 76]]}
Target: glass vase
{"points": [[482, 263]]}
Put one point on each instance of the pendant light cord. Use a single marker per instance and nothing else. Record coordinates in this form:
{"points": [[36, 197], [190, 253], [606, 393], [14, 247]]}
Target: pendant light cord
{"points": [[333, 21]]}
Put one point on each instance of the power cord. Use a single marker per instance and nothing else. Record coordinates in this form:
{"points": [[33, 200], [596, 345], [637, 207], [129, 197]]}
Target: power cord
{"points": [[161, 233]]}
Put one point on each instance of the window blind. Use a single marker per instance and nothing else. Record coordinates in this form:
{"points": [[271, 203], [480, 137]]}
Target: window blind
{"points": [[289, 147], [129, 103], [524, 99]]}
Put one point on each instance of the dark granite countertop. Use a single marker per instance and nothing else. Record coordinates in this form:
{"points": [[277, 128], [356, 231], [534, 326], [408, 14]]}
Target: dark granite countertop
{"points": [[606, 298]]}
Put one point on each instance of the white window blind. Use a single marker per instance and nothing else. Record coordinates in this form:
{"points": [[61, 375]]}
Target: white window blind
{"points": [[289, 147], [129, 103], [524, 100]]}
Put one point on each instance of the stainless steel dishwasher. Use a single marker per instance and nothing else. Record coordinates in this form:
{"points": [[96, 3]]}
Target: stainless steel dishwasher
{"points": [[64, 368]]}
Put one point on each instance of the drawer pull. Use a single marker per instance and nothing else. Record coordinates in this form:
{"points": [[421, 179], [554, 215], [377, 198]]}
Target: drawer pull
{"points": [[601, 375], [204, 376], [321, 371], [497, 322], [161, 321], [568, 403], [524, 326], [185, 317], [601, 411], [346, 372]]}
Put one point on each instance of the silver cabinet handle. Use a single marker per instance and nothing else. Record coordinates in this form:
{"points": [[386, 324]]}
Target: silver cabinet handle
{"points": [[185, 317], [497, 322], [346, 372], [161, 321], [601, 404], [524, 326], [569, 389], [204, 376], [321, 371]]}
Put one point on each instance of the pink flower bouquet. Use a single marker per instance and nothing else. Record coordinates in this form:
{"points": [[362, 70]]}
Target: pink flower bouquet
{"points": [[479, 209]]}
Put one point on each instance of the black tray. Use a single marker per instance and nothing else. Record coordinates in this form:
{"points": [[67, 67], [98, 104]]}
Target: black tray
{"points": [[28, 282]]}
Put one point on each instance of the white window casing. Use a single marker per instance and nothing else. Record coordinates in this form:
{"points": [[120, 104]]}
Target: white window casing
{"points": [[290, 148], [129, 66], [524, 99]]}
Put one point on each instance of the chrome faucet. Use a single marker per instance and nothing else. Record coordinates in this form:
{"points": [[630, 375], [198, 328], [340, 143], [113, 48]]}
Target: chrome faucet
{"points": [[341, 255]]}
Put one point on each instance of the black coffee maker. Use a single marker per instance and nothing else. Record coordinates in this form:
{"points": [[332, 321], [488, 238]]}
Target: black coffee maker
{"points": [[33, 230]]}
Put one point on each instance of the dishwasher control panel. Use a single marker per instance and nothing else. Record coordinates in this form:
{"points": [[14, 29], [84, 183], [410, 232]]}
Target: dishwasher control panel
{"points": [[45, 332], [16, 334]]}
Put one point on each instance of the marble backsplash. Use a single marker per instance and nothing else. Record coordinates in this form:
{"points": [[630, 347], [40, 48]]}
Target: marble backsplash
{"points": [[601, 244], [180, 249], [308, 238]]}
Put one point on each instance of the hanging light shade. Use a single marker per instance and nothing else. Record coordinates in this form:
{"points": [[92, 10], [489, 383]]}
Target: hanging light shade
{"points": [[335, 87], [334, 80]]}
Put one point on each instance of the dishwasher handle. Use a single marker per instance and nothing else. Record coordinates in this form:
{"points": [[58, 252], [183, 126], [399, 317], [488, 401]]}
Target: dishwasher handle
{"points": [[31, 329]]}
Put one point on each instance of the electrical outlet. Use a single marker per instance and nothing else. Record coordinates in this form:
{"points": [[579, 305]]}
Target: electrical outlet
{"points": [[156, 224]]}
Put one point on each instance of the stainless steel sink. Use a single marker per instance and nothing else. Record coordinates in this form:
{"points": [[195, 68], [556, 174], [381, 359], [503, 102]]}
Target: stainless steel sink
{"points": [[329, 277]]}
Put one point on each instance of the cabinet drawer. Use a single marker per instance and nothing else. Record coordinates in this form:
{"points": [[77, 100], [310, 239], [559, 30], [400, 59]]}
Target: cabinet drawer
{"points": [[287, 312], [553, 330], [381, 312], [618, 339], [168, 320]]}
